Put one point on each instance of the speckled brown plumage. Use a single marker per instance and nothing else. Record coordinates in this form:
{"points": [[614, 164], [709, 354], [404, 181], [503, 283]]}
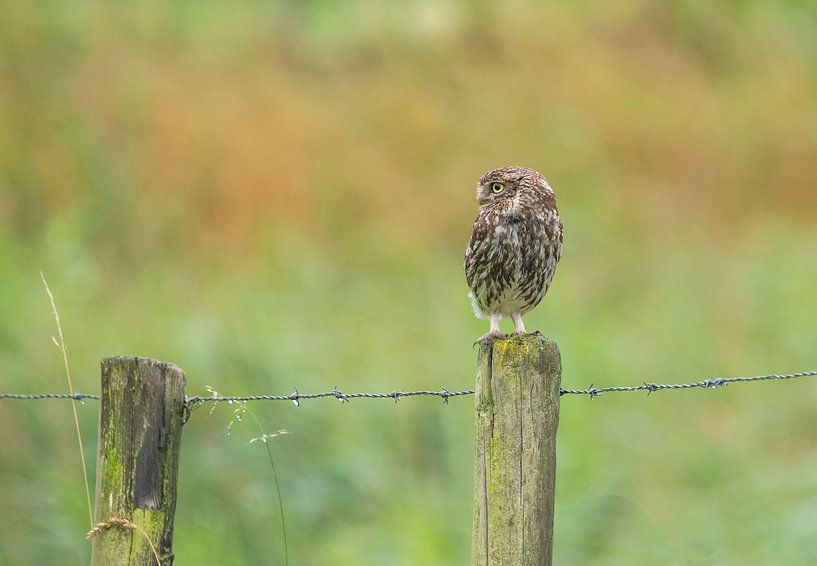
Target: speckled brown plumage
{"points": [[515, 245]]}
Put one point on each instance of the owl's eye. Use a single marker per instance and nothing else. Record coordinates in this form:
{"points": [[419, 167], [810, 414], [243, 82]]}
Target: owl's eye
{"points": [[497, 187]]}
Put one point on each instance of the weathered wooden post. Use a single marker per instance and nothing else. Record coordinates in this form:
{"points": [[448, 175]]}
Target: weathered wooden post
{"points": [[140, 427], [517, 406]]}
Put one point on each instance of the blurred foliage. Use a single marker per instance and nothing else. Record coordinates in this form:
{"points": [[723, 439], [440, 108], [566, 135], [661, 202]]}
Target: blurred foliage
{"points": [[277, 195]]}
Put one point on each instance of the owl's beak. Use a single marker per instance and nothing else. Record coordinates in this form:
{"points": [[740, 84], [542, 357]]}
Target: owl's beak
{"points": [[482, 194]]}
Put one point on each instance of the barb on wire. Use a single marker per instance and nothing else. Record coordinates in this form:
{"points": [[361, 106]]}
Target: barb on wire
{"points": [[295, 397]]}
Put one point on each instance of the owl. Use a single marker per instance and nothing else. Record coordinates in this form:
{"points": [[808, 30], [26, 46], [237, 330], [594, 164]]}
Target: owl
{"points": [[515, 245]]}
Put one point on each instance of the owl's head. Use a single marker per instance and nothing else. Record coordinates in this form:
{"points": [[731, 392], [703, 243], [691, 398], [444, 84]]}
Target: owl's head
{"points": [[506, 182]]}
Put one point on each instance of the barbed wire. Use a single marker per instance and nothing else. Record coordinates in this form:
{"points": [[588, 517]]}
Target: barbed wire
{"points": [[296, 397], [713, 383], [30, 396]]}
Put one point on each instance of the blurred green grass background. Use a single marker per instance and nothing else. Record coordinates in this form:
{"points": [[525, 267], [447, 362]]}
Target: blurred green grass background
{"points": [[278, 195]]}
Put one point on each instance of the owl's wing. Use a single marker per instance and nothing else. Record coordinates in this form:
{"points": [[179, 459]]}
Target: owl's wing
{"points": [[476, 251]]}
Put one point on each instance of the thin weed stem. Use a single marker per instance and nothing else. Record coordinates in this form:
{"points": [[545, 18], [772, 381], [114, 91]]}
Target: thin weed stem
{"points": [[61, 345], [265, 439]]}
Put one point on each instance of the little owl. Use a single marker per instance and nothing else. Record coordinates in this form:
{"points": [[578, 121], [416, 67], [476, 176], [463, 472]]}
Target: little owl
{"points": [[515, 245]]}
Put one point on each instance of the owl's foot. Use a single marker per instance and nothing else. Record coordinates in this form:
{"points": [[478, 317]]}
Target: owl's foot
{"points": [[534, 334], [490, 338], [524, 334]]}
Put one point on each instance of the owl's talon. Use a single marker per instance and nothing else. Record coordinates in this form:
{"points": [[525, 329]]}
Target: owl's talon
{"points": [[487, 339], [535, 333], [523, 334]]}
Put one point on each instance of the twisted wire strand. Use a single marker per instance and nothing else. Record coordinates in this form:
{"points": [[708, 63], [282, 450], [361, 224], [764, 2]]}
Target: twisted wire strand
{"points": [[30, 396], [713, 383], [296, 397], [444, 394]]}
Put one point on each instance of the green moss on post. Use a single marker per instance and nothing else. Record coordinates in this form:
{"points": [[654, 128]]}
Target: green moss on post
{"points": [[517, 414], [140, 426]]}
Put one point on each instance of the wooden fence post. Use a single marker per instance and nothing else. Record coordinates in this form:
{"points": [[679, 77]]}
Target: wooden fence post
{"points": [[517, 413], [140, 426]]}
